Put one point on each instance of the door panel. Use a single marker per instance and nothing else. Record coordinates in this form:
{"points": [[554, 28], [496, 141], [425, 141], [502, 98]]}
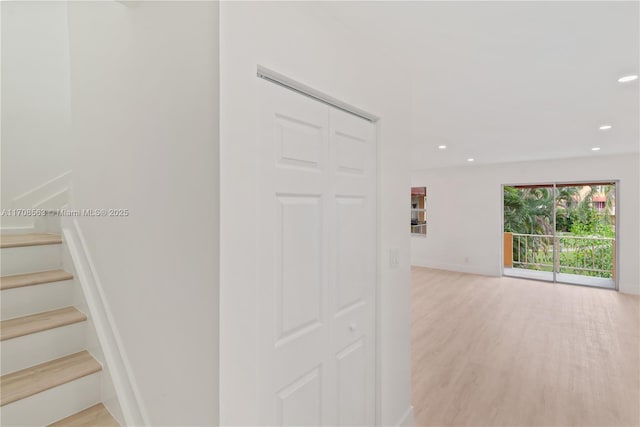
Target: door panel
{"points": [[352, 385], [317, 265], [293, 248], [300, 142], [353, 260], [299, 403], [298, 268], [351, 153], [529, 220], [351, 280]]}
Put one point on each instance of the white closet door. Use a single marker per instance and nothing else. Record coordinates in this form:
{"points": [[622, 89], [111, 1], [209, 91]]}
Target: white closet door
{"points": [[316, 241], [352, 255]]}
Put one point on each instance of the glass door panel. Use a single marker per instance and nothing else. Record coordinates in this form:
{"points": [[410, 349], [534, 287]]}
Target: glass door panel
{"points": [[586, 233], [529, 215]]}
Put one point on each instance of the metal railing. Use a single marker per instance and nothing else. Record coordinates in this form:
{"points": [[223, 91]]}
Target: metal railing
{"points": [[583, 255]]}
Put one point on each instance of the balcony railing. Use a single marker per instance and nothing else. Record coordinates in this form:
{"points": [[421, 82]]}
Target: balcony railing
{"points": [[582, 255]]}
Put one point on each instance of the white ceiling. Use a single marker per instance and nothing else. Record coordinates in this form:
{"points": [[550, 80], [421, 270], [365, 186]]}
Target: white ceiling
{"points": [[512, 81]]}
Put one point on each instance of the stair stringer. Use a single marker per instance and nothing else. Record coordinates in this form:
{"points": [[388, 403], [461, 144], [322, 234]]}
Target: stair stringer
{"points": [[119, 392]]}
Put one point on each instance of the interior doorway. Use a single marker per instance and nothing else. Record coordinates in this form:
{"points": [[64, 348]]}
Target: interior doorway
{"points": [[561, 232]]}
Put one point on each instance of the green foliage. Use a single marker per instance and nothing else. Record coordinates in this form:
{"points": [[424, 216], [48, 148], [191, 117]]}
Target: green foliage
{"points": [[564, 219], [530, 211], [513, 207], [587, 257], [591, 223]]}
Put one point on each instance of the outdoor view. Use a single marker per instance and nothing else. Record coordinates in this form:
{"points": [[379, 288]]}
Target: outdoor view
{"points": [[568, 229]]}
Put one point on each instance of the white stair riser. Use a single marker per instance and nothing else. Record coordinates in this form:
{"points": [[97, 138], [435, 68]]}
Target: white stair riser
{"points": [[15, 227], [33, 349], [30, 259], [28, 300], [53, 404]]}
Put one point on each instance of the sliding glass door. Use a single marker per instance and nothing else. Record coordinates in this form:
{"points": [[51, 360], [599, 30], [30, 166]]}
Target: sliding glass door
{"points": [[561, 232]]}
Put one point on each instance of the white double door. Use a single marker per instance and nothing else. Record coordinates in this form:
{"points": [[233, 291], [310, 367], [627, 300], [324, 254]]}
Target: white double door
{"points": [[316, 217]]}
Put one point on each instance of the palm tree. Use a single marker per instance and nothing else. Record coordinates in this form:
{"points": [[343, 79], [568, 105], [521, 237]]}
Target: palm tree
{"points": [[609, 193], [567, 197], [567, 200], [514, 217], [529, 211]]}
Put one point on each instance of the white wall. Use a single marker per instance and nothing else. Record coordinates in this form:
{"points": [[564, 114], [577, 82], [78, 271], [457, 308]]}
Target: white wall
{"points": [[465, 218], [145, 99], [35, 97], [301, 42]]}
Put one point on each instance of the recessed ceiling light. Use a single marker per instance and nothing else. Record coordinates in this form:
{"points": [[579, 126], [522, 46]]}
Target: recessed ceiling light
{"points": [[595, 149], [442, 147], [471, 160], [605, 127], [629, 78]]}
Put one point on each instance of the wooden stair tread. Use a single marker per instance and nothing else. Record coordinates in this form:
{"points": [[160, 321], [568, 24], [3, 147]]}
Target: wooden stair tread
{"points": [[27, 382], [33, 323], [29, 279], [95, 416], [34, 239]]}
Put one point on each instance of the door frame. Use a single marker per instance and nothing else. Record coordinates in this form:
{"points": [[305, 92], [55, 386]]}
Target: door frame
{"points": [[288, 83], [554, 185]]}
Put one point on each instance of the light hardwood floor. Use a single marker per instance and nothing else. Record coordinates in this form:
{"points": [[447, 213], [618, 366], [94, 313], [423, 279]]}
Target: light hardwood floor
{"points": [[512, 352]]}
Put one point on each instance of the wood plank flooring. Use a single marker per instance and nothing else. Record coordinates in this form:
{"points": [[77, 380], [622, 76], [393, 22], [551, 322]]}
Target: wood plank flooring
{"points": [[512, 352]]}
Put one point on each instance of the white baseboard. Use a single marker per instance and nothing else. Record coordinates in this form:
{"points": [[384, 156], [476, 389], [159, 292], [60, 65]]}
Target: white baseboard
{"points": [[625, 288], [461, 268], [117, 363], [406, 420], [629, 289]]}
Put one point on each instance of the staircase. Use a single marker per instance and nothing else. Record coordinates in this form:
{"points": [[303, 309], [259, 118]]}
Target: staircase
{"points": [[48, 377]]}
